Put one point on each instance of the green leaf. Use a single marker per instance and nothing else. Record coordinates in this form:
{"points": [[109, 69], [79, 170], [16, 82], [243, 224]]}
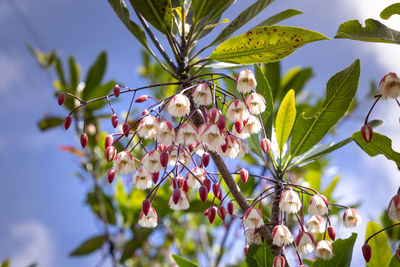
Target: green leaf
{"points": [[74, 73], [89, 246], [342, 253], [391, 10], [208, 9], [259, 255], [254, 145], [157, 12], [242, 19], [295, 79], [341, 89], [394, 262], [264, 89], [285, 119], [99, 91], [374, 31], [288, 13], [380, 250], [93, 201], [59, 70], [5, 263], [182, 262], [49, 122], [95, 74], [273, 73], [379, 145], [264, 44]]}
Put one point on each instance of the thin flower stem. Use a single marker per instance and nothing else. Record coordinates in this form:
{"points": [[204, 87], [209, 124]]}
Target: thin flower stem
{"points": [[130, 106], [384, 229], [369, 112]]}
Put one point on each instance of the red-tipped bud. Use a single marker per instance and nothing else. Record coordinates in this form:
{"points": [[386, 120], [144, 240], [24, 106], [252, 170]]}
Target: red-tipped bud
{"points": [[110, 153], [207, 183], [214, 115], [61, 98], [224, 147], [116, 90], [230, 208], [114, 120], [279, 261], [366, 250], [110, 175], [265, 145], [164, 159], [185, 186], [212, 212], [203, 192], [145, 112], [125, 129], [205, 159], [109, 141], [331, 232], [176, 195], [67, 122], [239, 126], [84, 139], [246, 248], [146, 206], [216, 189], [221, 212], [192, 147], [244, 175], [366, 133], [141, 98], [221, 123], [154, 177]]}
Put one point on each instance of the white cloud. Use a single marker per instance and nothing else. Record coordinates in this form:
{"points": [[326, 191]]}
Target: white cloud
{"points": [[11, 69], [37, 244]]}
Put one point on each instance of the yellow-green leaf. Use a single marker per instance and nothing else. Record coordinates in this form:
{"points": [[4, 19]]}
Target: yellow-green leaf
{"points": [[285, 119], [390, 11], [380, 250], [264, 44]]}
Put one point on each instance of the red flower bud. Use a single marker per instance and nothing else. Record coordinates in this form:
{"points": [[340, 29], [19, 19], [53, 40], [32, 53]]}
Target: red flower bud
{"points": [[141, 98], [331, 232], [110, 153], [246, 248], [279, 261], [191, 147], [239, 126], [216, 189], [244, 175], [185, 186], [110, 175], [109, 141], [205, 212], [203, 192], [84, 139], [154, 177], [125, 129], [212, 212], [205, 159], [207, 183], [265, 145], [61, 98], [224, 147], [367, 132], [116, 90], [145, 112], [146, 206], [164, 159], [230, 208], [114, 120], [221, 212], [176, 195], [67, 122], [366, 250], [221, 123]]}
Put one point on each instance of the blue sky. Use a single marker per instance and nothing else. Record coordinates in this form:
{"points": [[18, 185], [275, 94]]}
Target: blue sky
{"points": [[43, 216]]}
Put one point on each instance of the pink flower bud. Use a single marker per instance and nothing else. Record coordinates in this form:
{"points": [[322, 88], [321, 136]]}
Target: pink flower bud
{"points": [[164, 159], [221, 212], [84, 139], [212, 212], [221, 123], [246, 248], [203, 192], [114, 120], [214, 115], [239, 126], [154, 177], [67, 122], [110, 175], [109, 141], [125, 129], [207, 183], [331, 232], [265, 145], [176, 196], [146, 206], [110, 153], [366, 133], [116, 90], [216, 189], [230, 208], [185, 186], [244, 175], [366, 250], [141, 98], [279, 261], [205, 159], [61, 98]]}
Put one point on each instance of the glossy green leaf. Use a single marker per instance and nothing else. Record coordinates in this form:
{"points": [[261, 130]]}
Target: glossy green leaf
{"points": [[379, 145], [95, 74], [157, 12], [49, 122], [208, 9], [391, 10], [182, 262], [89, 246], [394, 262], [374, 31], [288, 13], [342, 253], [341, 89], [264, 44], [294, 79], [74, 73], [264, 89], [285, 119], [380, 250], [259, 256], [99, 91], [272, 72], [248, 14]]}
